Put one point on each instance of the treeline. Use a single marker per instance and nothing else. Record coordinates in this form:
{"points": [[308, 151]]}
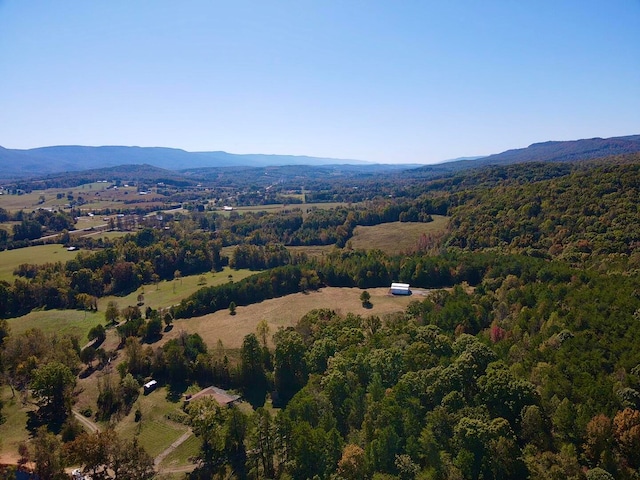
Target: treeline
{"points": [[346, 269], [32, 225], [317, 226], [134, 260]]}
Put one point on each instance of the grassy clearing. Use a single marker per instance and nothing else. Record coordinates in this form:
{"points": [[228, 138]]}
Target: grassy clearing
{"points": [[396, 237], [181, 455], [284, 312], [78, 323], [279, 207], [155, 433], [64, 322], [13, 430], [170, 292], [10, 259]]}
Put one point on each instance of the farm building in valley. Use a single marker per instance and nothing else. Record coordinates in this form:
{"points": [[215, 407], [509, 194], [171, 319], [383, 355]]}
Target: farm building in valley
{"points": [[400, 289], [221, 396]]}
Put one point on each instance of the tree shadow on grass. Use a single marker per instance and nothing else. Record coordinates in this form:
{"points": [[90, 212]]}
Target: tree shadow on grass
{"points": [[152, 339], [44, 417]]}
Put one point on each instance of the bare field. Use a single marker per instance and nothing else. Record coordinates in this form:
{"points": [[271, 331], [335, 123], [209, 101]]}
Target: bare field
{"points": [[396, 237], [284, 312]]}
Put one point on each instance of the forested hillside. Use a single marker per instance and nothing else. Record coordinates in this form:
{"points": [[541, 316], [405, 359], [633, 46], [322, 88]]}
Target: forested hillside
{"points": [[517, 358]]}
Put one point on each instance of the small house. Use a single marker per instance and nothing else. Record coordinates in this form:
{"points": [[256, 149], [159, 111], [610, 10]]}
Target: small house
{"points": [[149, 387], [400, 289]]}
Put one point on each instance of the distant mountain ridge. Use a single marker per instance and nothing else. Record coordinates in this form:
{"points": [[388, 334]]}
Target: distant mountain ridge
{"points": [[51, 160], [564, 151], [551, 151], [43, 161]]}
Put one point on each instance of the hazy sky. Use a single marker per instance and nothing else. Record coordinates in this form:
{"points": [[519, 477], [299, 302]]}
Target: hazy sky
{"points": [[386, 81]]}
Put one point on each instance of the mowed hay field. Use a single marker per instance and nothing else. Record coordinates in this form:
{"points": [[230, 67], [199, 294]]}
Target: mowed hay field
{"points": [[285, 312], [396, 237]]}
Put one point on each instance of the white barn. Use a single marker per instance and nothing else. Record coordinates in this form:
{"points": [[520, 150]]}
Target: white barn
{"points": [[149, 387], [400, 289]]}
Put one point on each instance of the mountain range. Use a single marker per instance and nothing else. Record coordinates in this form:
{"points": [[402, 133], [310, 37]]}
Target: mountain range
{"points": [[42, 161], [72, 158]]}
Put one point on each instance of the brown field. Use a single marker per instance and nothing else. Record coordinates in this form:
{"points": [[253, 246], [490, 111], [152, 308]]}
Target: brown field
{"points": [[284, 312], [396, 237]]}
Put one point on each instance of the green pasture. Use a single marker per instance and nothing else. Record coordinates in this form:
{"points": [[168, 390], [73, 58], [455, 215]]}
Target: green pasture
{"points": [[64, 322], [165, 294], [170, 292], [37, 255], [279, 207], [181, 455]]}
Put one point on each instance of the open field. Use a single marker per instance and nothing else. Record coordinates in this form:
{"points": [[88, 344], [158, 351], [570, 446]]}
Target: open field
{"points": [[155, 433], [284, 312], [278, 207], [95, 195], [78, 323], [10, 259], [396, 237], [63, 322], [170, 292]]}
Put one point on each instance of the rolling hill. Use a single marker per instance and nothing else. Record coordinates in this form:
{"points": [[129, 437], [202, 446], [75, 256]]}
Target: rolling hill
{"points": [[54, 160], [50, 160]]}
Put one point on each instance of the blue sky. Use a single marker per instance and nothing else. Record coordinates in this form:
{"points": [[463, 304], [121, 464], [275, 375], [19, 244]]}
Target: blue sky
{"points": [[385, 81]]}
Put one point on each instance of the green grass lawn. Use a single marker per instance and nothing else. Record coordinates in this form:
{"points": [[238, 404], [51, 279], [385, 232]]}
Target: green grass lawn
{"points": [[181, 455], [154, 432], [13, 430], [10, 259]]}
